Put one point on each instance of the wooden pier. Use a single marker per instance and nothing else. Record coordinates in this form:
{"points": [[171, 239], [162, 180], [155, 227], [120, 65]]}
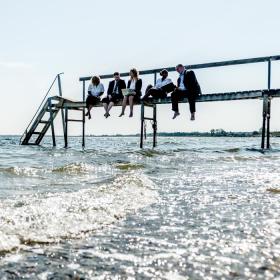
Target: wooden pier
{"points": [[50, 106]]}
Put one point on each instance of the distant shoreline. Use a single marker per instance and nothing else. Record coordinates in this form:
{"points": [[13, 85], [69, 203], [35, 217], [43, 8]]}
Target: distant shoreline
{"points": [[212, 133]]}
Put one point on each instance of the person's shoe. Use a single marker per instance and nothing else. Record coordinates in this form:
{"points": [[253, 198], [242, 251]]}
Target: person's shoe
{"points": [[86, 114], [176, 114], [121, 114], [192, 117], [89, 116], [107, 115], [131, 115]]}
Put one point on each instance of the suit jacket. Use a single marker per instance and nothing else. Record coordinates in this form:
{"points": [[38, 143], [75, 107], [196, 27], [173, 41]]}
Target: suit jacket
{"points": [[138, 86], [120, 85], [190, 83]]}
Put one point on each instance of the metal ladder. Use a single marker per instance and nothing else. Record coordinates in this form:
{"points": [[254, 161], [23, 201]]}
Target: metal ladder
{"points": [[44, 118]]}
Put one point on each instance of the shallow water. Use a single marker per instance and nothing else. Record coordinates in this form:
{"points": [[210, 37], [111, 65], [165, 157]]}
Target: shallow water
{"points": [[193, 208]]}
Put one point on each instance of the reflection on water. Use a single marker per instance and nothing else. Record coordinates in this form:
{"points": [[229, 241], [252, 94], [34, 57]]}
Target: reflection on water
{"points": [[194, 208]]}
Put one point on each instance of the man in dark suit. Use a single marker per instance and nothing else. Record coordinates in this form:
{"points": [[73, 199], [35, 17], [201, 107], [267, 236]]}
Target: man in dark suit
{"points": [[114, 93], [187, 87]]}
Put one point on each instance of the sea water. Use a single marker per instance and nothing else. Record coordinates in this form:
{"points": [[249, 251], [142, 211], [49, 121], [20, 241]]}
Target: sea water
{"points": [[193, 208]]}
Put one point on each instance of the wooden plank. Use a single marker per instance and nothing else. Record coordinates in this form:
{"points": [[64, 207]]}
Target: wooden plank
{"points": [[229, 96]]}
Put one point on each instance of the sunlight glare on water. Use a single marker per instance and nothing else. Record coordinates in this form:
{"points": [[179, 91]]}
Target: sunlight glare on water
{"points": [[194, 208]]}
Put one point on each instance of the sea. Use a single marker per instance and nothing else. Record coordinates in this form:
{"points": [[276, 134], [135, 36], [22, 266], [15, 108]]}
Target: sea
{"points": [[192, 208]]}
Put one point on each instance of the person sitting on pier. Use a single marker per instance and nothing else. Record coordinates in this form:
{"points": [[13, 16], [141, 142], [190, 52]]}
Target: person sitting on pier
{"points": [[163, 86], [95, 90], [187, 87], [114, 93], [133, 92]]}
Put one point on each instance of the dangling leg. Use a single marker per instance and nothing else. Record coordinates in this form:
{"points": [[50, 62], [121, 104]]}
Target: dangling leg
{"points": [[175, 101], [192, 107], [105, 105], [130, 99], [123, 106], [111, 104], [88, 112]]}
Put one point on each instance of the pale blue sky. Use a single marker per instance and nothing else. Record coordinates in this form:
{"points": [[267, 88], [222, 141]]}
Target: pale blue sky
{"points": [[81, 38]]}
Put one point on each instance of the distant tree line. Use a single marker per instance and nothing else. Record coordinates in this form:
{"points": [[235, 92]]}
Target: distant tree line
{"points": [[212, 133]]}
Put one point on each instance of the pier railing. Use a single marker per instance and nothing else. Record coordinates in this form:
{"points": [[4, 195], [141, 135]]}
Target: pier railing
{"points": [[267, 59]]}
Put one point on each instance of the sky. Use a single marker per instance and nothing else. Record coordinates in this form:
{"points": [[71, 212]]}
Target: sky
{"points": [[87, 37]]}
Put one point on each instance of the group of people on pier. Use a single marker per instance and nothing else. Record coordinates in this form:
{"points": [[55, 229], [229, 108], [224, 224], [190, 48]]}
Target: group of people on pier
{"points": [[187, 87]]}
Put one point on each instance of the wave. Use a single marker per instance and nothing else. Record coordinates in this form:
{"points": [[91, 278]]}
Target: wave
{"points": [[129, 166], [152, 153], [54, 217], [273, 190], [74, 168], [22, 171]]}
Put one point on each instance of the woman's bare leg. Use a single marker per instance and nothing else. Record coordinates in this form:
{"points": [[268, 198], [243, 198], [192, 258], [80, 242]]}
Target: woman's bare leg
{"points": [[130, 100], [88, 112], [111, 104], [123, 106], [105, 105]]}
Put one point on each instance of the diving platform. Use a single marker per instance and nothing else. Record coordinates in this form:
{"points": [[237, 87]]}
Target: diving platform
{"points": [[43, 120]]}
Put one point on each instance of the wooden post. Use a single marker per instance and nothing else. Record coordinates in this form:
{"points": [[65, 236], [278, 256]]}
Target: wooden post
{"points": [[142, 125], [51, 119], [264, 120], [83, 112], [154, 125], [155, 78], [66, 128], [62, 111], [268, 106], [268, 123]]}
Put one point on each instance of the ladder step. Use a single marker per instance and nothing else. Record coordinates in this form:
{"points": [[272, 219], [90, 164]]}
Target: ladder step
{"points": [[72, 120], [150, 119], [75, 109], [43, 121], [54, 110], [36, 132]]}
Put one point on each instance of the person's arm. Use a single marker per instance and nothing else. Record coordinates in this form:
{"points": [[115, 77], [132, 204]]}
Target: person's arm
{"points": [[110, 88], [102, 90], [138, 85], [122, 85], [89, 89]]}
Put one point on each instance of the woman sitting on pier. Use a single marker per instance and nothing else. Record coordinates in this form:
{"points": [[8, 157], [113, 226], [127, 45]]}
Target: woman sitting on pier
{"points": [[163, 86], [133, 92], [95, 90]]}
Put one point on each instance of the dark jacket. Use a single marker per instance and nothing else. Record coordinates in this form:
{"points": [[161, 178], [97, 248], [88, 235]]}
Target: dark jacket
{"points": [[120, 85], [190, 83], [138, 86]]}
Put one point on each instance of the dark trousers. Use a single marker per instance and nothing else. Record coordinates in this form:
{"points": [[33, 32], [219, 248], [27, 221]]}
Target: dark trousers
{"points": [[178, 95], [155, 93]]}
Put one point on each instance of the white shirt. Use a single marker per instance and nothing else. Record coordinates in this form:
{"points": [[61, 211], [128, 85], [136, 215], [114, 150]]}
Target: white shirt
{"points": [[96, 90], [161, 83], [181, 85], [132, 84]]}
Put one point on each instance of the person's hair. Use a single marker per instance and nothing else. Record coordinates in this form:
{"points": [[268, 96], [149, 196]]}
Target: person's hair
{"points": [[180, 65], [95, 80], [134, 72], [116, 74], [163, 71]]}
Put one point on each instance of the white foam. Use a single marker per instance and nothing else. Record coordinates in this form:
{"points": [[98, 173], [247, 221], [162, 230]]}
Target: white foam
{"points": [[71, 215]]}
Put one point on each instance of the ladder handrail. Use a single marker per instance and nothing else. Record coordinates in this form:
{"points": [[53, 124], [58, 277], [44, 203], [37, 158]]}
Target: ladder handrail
{"points": [[40, 106]]}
